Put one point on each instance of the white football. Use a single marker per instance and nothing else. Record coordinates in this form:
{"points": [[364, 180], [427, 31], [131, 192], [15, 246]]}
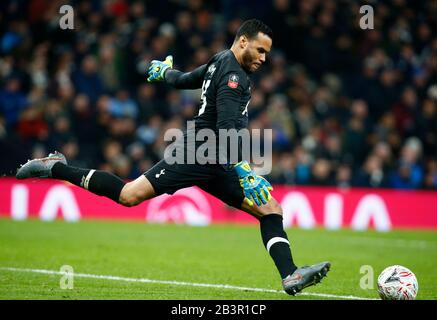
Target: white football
{"points": [[397, 283]]}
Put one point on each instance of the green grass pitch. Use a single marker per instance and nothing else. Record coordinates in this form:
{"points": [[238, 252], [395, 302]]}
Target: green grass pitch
{"points": [[216, 255]]}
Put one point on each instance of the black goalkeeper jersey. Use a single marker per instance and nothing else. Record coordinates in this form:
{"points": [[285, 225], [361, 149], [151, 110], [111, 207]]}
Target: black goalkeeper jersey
{"points": [[225, 94], [224, 99], [225, 91]]}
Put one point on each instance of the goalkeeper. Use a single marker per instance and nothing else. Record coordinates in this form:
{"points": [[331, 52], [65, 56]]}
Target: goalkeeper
{"points": [[223, 106]]}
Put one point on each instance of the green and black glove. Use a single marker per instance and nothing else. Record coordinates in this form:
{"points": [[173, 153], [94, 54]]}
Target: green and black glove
{"points": [[157, 69], [255, 188]]}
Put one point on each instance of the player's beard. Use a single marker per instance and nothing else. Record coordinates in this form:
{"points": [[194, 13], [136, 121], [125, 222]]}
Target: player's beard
{"points": [[247, 60]]}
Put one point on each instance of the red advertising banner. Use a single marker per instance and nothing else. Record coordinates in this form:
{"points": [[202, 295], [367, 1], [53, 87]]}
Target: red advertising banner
{"points": [[305, 207]]}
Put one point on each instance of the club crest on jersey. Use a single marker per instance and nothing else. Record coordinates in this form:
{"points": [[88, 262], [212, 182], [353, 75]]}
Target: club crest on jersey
{"points": [[233, 81]]}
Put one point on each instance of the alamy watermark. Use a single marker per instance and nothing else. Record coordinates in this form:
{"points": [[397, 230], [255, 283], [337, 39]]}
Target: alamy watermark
{"points": [[67, 279], [367, 20], [224, 146], [367, 280], [67, 20]]}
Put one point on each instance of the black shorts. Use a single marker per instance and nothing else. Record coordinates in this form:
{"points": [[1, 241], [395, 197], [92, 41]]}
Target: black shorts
{"points": [[212, 178]]}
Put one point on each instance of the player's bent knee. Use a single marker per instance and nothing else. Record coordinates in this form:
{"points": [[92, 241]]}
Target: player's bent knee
{"points": [[129, 197], [127, 200], [135, 192]]}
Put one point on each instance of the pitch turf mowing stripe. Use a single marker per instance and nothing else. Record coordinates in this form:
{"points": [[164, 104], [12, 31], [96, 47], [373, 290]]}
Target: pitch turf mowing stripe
{"points": [[180, 283]]}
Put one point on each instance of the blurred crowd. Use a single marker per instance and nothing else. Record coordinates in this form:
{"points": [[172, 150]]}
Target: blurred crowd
{"points": [[348, 107]]}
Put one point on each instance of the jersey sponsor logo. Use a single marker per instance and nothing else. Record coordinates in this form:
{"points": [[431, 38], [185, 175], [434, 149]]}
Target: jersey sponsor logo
{"points": [[245, 109], [233, 81], [211, 69]]}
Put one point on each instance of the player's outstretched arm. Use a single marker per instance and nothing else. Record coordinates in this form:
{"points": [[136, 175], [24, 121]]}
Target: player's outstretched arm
{"points": [[158, 68], [255, 188], [163, 71]]}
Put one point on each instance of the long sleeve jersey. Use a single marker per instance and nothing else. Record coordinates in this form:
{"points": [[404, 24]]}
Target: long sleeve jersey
{"points": [[224, 97]]}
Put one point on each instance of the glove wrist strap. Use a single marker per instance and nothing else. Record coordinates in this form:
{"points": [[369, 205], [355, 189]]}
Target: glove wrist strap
{"points": [[165, 71], [243, 169]]}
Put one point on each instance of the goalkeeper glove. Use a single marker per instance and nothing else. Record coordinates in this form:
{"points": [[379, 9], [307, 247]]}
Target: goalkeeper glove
{"points": [[157, 69], [255, 188]]}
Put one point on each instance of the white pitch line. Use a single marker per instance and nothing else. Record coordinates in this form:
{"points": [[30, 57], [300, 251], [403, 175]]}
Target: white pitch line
{"points": [[180, 283]]}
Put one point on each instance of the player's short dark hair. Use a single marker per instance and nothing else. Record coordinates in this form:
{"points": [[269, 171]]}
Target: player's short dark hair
{"points": [[250, 29]]}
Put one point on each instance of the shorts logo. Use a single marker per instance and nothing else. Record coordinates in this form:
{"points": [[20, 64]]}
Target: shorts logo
{"points": [[233, 81], [159, 174]]}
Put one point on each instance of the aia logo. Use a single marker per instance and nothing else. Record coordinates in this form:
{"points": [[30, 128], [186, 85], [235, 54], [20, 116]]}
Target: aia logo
{"points": [[186, 206], [233, 81]]}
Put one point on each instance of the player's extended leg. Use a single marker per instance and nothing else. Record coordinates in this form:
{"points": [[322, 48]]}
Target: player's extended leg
{"points": [[273, 235], [275, 240], [226, 187], [98, 182]]}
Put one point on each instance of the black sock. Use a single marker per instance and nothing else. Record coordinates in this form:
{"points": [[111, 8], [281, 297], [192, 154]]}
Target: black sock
{"points": [[276, 242], [99, 182]]}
